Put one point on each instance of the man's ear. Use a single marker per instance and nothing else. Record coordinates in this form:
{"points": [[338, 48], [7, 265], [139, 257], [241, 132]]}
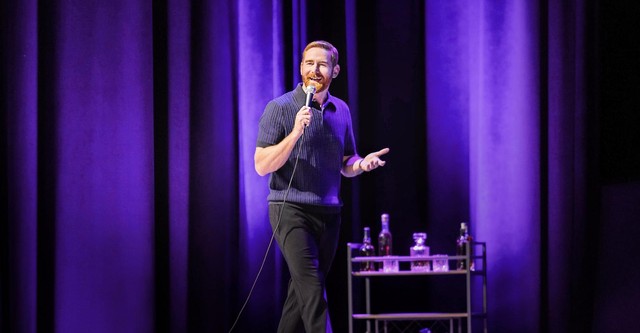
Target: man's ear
{"points": [[336, 71]]}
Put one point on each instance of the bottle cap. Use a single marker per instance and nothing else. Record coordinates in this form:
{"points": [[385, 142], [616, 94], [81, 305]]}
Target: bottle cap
{"points": [[422, 235], [463, 225], [384, 217]]}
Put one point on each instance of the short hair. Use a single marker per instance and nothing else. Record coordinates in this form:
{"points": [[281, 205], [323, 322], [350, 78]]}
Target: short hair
{"points": [[324, 45]]}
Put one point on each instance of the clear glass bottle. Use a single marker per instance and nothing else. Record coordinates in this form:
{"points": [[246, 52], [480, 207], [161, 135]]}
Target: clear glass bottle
{"points": [[464, 242], [367, 250], [419, 249]]}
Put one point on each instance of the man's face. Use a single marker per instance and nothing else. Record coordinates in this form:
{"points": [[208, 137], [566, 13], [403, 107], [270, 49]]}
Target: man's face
{"points": [[316, 68]]}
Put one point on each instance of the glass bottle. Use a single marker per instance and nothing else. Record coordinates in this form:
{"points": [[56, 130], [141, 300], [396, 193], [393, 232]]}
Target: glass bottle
{"points": [[385, 246], [419, 249], [384, 238], [464, 242], [367, 250]]}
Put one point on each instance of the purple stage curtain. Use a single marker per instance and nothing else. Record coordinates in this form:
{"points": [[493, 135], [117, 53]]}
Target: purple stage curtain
{"points": [[128, 132], [504, 146], [483, 129], [19, 166], [131, 197]]}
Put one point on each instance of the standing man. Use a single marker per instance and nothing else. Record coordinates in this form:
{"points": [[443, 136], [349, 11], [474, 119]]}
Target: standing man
{"points": [[306, 149]]}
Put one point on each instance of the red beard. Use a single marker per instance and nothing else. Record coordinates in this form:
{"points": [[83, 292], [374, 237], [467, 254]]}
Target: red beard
{"points": [[320, 85]]}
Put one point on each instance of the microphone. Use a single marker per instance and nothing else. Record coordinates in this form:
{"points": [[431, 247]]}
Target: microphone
{"points": [[310, 90]]}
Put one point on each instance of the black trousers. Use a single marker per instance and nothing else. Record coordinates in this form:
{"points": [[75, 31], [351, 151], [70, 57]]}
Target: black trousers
{"points": [[308, 238]]}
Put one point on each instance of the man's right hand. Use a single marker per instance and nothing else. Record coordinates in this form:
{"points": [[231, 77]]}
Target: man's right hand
{"points": [[303, 119]]}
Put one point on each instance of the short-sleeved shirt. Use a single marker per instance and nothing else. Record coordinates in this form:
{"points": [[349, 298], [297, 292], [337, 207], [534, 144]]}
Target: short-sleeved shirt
{"points": [[321, 149]]}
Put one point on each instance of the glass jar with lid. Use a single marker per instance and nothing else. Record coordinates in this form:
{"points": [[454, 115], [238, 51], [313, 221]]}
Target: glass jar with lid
{"points": [[420, 249]]}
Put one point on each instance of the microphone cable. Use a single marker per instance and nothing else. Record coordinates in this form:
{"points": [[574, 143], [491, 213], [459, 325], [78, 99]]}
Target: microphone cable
{"points": [[273, 234]]}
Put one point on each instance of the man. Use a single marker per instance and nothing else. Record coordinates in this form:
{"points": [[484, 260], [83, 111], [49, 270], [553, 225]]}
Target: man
{"points": [[305, 149]]}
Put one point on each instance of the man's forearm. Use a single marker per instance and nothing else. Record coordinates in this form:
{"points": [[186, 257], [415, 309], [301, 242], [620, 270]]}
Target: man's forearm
{"points": [[352, 166], [272, 158]]}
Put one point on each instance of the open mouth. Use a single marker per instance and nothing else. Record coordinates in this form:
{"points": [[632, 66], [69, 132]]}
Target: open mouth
{"points": [[317, 81]]}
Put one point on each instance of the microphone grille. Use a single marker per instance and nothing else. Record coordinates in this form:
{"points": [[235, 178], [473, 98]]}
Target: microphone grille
{"points": [[311, 89]]}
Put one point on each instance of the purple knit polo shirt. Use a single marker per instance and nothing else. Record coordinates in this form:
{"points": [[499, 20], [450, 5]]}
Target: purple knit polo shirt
{"points": [[325, 142]]}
